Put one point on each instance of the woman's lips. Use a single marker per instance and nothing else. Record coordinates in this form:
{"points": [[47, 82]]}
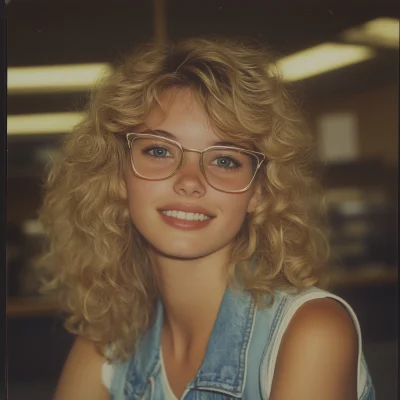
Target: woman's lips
{"points": [[184, 223], [191, 208]]}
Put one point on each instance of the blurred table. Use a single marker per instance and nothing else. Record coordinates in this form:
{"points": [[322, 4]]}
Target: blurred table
{"points": [[18, 307], [374, 275]]}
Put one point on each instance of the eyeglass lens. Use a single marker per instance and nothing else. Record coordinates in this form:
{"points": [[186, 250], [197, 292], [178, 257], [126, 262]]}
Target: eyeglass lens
{"points": [[225, 169]]}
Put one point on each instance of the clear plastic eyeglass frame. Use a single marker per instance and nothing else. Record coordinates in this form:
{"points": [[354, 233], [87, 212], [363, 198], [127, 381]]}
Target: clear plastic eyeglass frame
{"points": [[133, 135]]}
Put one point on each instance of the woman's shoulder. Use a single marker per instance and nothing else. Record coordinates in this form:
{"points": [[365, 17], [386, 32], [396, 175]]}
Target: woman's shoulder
{"points": [[314, 327], [321, 322], [81, 375], [312, 310], [321, 334], [315, 311]]}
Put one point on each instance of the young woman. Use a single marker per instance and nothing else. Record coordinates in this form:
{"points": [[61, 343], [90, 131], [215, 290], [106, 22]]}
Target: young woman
{"points": [[183, 218]]}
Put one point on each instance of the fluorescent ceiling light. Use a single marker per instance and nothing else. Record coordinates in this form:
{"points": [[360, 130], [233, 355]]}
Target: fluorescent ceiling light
{"points": [[55, 78], [42, 123], [381, 32], [322, 58]]}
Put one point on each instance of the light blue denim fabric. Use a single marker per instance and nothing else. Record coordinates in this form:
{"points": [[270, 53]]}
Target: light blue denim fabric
{"points": [[233, 366]]}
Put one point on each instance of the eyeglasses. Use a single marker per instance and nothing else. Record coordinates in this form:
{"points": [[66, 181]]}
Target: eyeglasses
{"points": [[225, 168]]}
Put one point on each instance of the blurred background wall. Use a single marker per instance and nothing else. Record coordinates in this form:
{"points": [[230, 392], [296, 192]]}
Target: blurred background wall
{"points": [[352, 110]]}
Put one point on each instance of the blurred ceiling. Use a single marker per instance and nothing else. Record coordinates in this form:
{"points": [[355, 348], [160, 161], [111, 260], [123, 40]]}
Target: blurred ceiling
{"points": [[59, 32]]}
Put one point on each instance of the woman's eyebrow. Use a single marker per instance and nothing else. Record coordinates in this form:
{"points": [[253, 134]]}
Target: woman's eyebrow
{"points": [[164, 133], [170, 135]]}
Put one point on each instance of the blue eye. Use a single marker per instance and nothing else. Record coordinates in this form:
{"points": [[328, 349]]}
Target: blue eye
{"points": [[157, 152], [226, 162]]}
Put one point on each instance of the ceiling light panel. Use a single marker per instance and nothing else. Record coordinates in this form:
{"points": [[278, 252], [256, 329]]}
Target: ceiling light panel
{"points": [[378, 32], [322, 58], [39, 124], [55, 78]]}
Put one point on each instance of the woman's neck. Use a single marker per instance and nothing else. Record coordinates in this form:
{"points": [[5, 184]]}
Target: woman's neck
{"points": [[191, 291]]}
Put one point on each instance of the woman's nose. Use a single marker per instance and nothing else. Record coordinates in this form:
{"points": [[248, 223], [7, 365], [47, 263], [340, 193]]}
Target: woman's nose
{"points": [[189, 179]]}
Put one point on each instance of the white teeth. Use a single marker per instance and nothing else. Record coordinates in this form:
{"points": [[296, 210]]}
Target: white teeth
{"points": [[181, 215], [190, 216], [186, 215]]}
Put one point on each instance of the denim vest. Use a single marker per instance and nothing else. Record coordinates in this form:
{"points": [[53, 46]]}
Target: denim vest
{"points": [[240, 356]]}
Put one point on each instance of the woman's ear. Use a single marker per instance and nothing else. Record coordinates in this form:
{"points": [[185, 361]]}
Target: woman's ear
{"points": [[255, 199]]}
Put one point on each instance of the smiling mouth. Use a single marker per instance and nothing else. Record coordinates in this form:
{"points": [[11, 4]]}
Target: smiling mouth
{"points": [[187, 216]]}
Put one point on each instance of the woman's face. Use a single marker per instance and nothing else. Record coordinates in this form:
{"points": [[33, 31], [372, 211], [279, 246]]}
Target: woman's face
{"points": [[187, 190]]}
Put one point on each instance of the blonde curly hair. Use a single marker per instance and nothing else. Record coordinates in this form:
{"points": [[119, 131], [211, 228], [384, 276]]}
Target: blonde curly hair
{"points": [[99, 268]]}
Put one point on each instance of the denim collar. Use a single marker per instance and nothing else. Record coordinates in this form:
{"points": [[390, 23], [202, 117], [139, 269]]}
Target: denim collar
{"points": [[225, 363]]}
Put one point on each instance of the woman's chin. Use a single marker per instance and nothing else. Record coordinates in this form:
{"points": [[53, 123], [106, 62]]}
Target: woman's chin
{"points": [[181, 251], [179, 254]]}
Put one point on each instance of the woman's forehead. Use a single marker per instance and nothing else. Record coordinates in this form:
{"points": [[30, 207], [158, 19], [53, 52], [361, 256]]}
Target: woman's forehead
{"points": [[179, 112]]}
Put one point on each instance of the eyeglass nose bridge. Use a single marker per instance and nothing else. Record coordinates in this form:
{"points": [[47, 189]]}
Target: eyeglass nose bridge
{"points": [[189, 150]]}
